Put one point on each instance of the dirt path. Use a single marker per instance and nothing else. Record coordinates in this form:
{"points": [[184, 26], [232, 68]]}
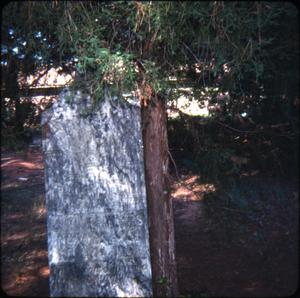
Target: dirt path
{"points": [[241, 243], [24, 259]]}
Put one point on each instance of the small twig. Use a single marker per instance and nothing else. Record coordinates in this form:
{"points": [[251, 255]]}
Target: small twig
{"points": [[235, 129], [114, 35], [171, 157], [257, 131], [192, 53]]}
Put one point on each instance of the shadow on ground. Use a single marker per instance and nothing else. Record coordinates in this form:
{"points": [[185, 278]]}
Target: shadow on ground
{"points": [[238, 238]]}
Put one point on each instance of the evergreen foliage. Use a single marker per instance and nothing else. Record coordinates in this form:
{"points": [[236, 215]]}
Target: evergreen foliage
{"points": [[248, 50]]}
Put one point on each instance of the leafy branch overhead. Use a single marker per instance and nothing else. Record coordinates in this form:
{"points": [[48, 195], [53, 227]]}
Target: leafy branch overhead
{"points": [[125, 44]]}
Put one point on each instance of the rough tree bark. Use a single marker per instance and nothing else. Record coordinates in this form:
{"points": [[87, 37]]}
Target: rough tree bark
{"points": [[160, 212]]}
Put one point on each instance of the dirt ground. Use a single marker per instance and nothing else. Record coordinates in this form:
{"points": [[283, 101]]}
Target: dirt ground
{"points": [[235, 240], [249, 249]]}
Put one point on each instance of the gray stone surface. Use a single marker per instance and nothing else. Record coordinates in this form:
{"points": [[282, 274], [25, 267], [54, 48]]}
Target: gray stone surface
{"points": [[97, 224]]}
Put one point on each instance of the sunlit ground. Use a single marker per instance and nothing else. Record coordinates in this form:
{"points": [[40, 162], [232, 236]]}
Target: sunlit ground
{"points": [[190, 189], [25, 168]]}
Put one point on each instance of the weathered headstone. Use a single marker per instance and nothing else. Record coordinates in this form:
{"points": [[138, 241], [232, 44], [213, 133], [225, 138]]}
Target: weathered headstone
{"points": [[97, 224]]}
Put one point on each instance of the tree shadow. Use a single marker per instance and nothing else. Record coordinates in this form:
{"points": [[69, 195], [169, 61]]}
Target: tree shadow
{"points": [[236, 233]]}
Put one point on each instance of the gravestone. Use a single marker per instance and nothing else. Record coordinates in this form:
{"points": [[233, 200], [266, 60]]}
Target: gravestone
{"points": [[98, 240]]}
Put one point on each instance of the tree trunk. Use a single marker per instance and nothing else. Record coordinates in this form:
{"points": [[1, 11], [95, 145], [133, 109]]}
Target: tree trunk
{"points": [[160, 212], [12, 90]]}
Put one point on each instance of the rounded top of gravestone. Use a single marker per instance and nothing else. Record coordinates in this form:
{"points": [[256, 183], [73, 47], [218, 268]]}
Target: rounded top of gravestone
{"points": [[76, 102]]}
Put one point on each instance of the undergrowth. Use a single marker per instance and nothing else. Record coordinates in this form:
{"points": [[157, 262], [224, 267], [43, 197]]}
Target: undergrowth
{"points": [[217, 153]]}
